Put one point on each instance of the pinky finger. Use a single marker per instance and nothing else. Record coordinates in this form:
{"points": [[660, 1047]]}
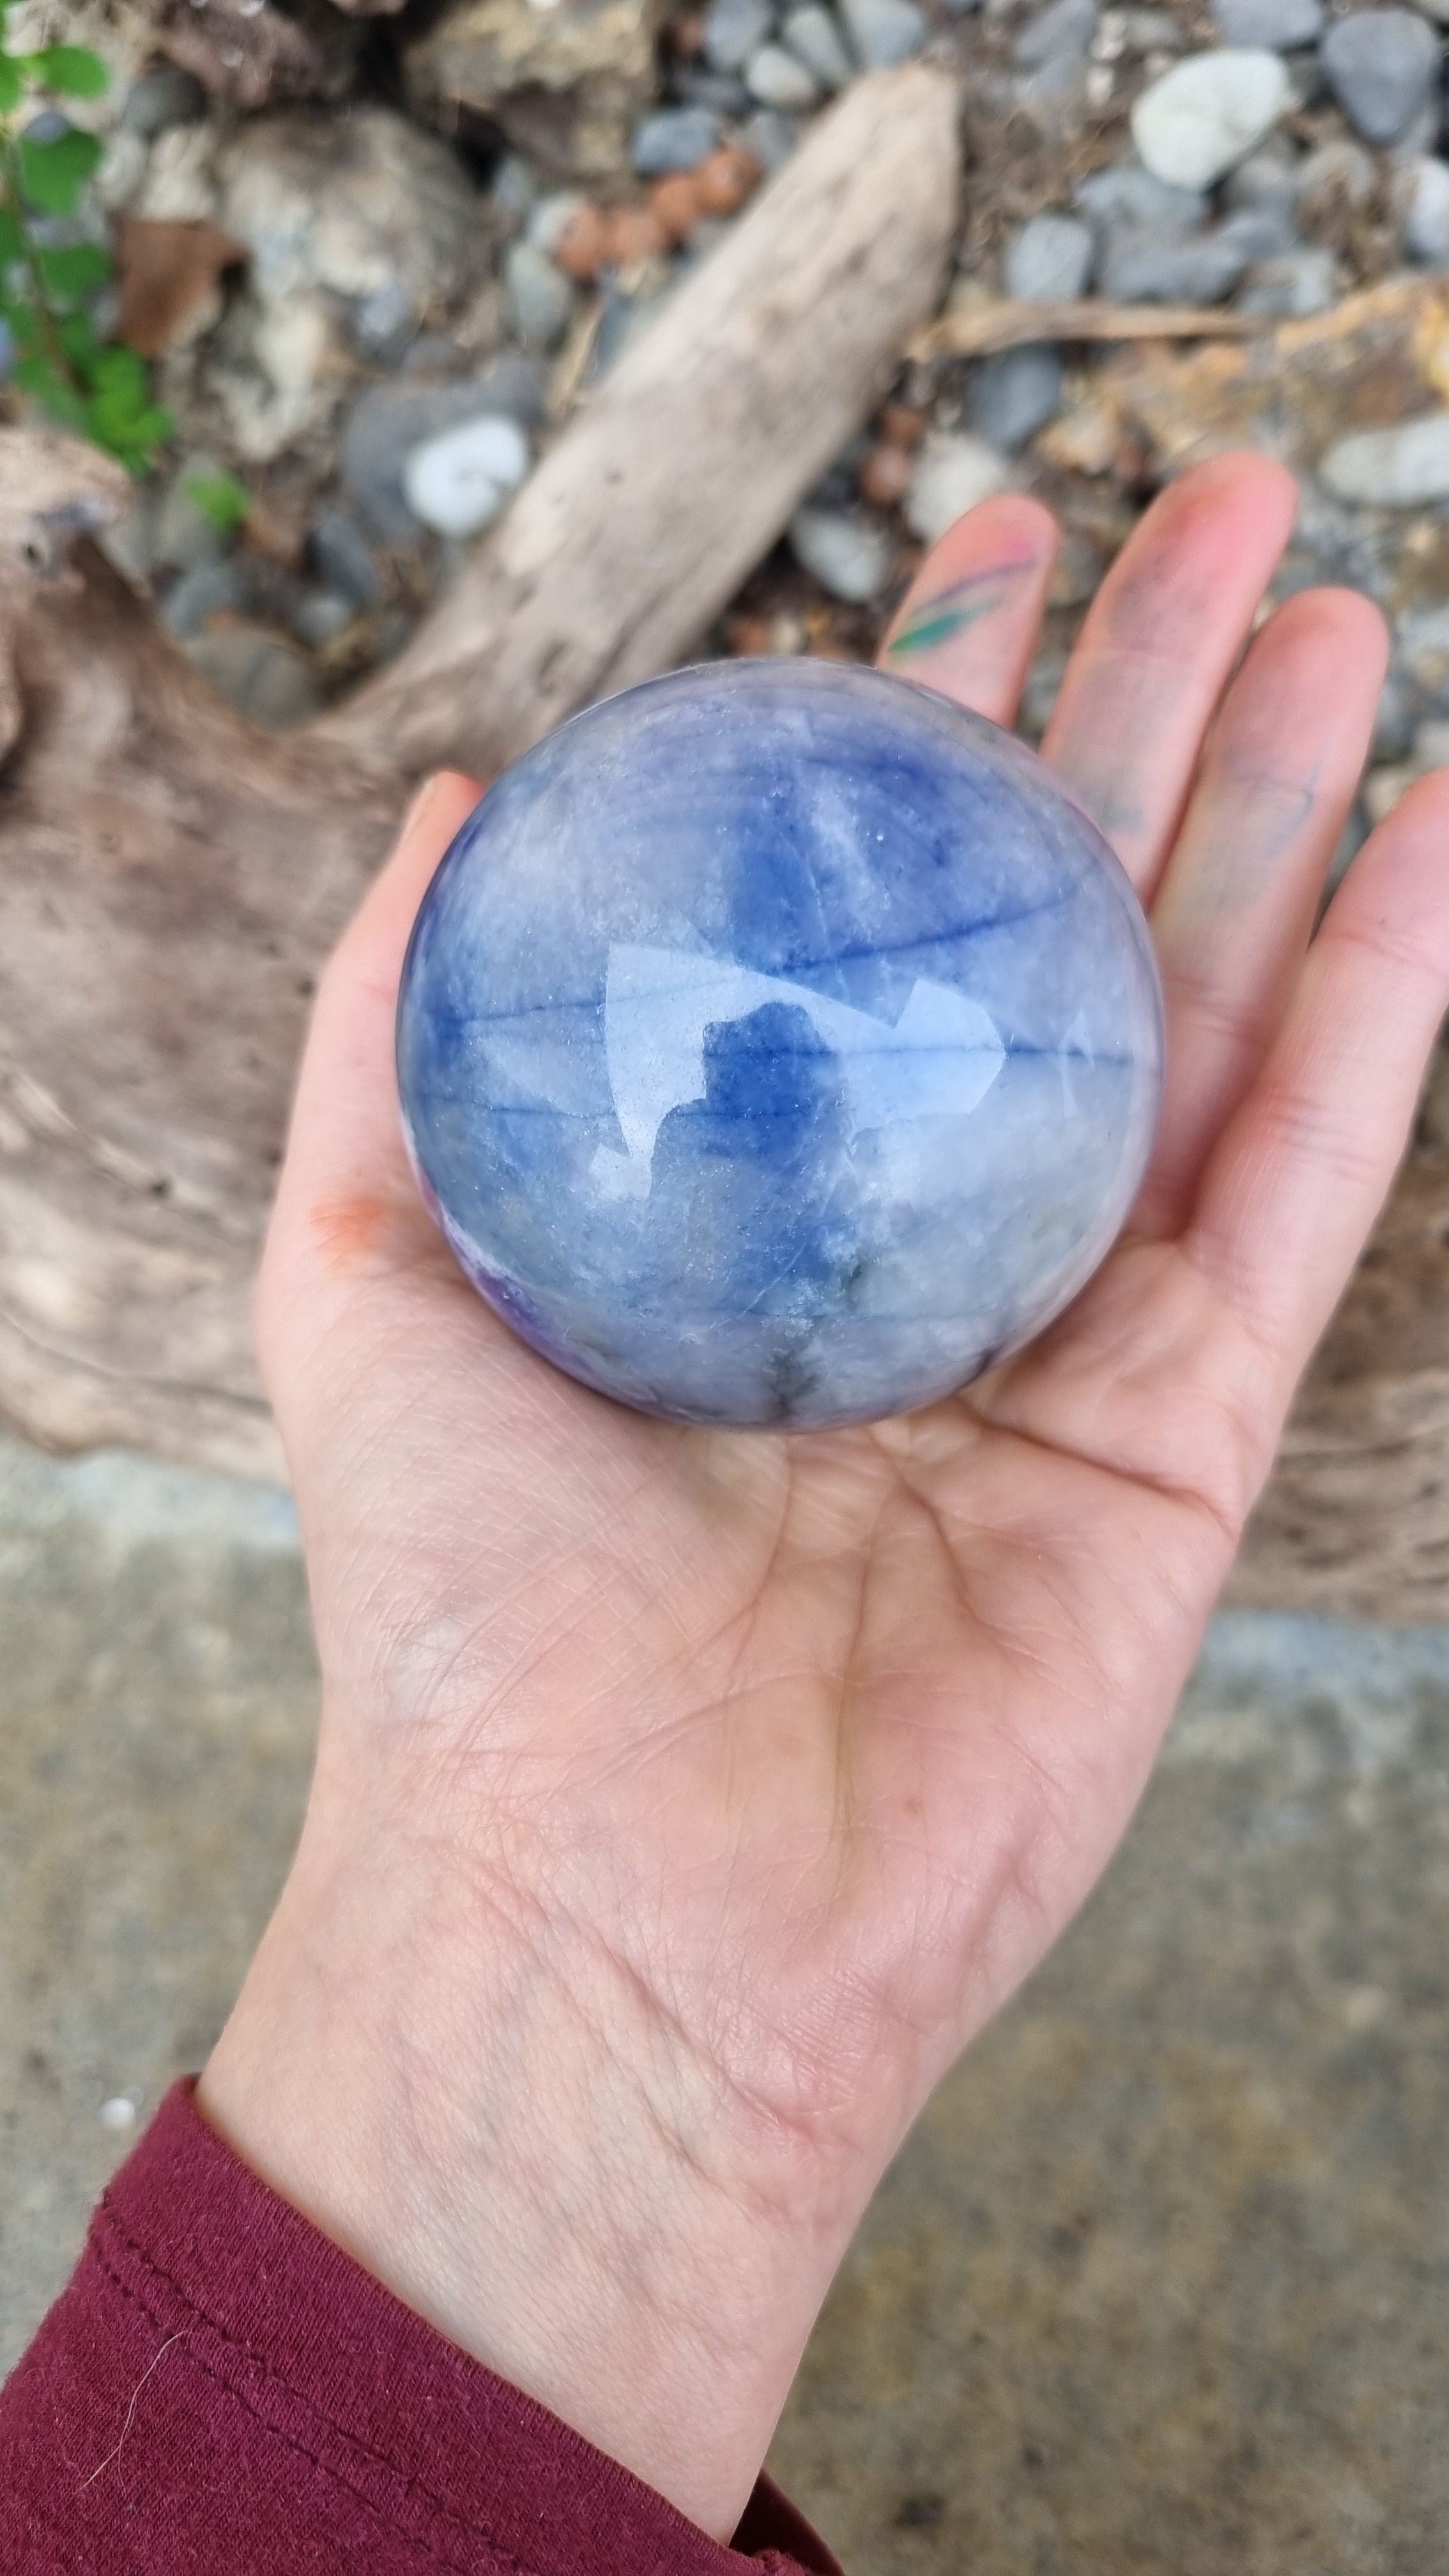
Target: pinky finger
{"points": [[1304, 1166]]}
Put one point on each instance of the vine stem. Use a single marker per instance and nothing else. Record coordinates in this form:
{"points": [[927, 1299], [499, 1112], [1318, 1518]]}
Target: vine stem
{"points": [[14, 201]]}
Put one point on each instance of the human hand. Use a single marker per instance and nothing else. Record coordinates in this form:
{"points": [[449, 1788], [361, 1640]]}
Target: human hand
{"points": [[686, 1799]]}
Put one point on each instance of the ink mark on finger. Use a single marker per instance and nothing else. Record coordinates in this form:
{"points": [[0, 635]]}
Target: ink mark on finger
{"points": [[963, 603]]}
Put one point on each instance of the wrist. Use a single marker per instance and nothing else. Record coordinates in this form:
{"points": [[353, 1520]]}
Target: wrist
{"points": [[499, 2128]]}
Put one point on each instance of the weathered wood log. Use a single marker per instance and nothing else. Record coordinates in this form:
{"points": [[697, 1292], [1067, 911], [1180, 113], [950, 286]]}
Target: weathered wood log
{"points": [[1356, 1517], [982, 330], [170, 878]]}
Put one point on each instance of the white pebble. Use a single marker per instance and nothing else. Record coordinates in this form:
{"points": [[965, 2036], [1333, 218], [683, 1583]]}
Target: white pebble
{"points": [[850, 557], [118, 2113], [1391, 469], [814, 39], [456, 483], [1207, 113], [953, 472], [1049, 260], [777, 79]]}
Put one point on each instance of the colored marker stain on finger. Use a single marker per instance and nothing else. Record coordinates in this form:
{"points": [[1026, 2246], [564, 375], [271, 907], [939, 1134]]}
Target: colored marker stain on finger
{"points": [[947, 613]]}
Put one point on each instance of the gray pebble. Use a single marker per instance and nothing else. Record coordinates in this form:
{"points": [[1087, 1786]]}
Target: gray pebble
{"points": [[1274, 25], [1143, 267], [207, 590], [770, 137], [255, 672], [385, 324], [814, 38], [776, 78], [1288, 288], [184, 535], [722, 93], [1422, 654], [1014, 395], [1269, 177], [1040, 694], [623, 320], [1128, 194], [849, 556], [1392, 469], [394, 417], [514, 187], [1065, 29], [317, 617], [1426, 224], [551, 215], [676, 138], [1152, 31], [1381, 66], [165, 97], [884, 32], [733, 30], [342, 558], [1395, 720], [1049, 260], [540, 297]]}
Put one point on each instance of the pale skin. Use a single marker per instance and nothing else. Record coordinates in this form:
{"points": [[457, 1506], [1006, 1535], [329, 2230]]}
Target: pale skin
{"points": [[686, 1800]]}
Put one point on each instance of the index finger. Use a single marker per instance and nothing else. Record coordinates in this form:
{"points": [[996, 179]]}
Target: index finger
{"points": [[968, 624]]}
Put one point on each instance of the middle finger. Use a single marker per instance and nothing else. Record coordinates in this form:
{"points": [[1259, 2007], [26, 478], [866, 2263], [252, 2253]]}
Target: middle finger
{"points": [[1157, 647]]}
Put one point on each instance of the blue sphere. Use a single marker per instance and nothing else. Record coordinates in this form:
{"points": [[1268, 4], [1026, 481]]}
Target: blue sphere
{"points": [[779, 1045]]}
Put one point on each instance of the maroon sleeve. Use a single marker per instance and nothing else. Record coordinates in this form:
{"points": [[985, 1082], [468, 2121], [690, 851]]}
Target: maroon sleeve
{"points": [[222, 2392]]}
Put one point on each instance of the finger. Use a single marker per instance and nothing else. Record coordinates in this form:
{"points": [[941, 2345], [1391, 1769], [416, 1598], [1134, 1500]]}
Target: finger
{"points": [[347, 1200], [1237, 903], [968, 624], [1157, 647], [1303, 1168]]}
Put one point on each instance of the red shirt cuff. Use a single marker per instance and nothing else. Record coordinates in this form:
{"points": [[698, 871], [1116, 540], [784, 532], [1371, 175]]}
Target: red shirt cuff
{"points": [[222, 2390]]}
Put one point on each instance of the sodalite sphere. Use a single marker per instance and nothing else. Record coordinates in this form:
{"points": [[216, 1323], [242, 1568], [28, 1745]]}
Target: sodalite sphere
{"points": [[778, 1045]]}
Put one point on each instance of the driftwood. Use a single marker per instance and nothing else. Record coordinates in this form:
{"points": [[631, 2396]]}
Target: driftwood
{"points": [[170, 878], [1010, 322]]}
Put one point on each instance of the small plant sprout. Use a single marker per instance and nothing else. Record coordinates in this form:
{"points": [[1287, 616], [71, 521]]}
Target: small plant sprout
{"points": [[99, 387]]}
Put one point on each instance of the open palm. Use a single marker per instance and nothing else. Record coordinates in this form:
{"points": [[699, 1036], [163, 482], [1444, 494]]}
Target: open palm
{"points": [[686, 1798]]}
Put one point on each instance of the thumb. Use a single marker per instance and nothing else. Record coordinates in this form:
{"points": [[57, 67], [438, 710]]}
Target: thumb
{"points": [[347, 1207]]}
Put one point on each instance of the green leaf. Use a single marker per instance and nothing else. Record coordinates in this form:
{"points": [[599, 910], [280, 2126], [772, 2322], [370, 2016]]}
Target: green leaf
{"points": [[75, 269], [117, 370], [12, 84], [133, 437], [221, 499], [37, 377], [25, 323], [72, 71], [54, 174], [12, 238], [77, 335]]}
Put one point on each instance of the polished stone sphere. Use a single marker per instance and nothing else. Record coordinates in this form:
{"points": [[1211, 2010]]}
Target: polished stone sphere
{"points": [[779, 1045]]}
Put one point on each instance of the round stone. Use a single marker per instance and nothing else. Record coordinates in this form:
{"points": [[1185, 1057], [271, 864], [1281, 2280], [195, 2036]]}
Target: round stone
{"points": [[458, 482], [778, 1045], [1207, 113]]}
